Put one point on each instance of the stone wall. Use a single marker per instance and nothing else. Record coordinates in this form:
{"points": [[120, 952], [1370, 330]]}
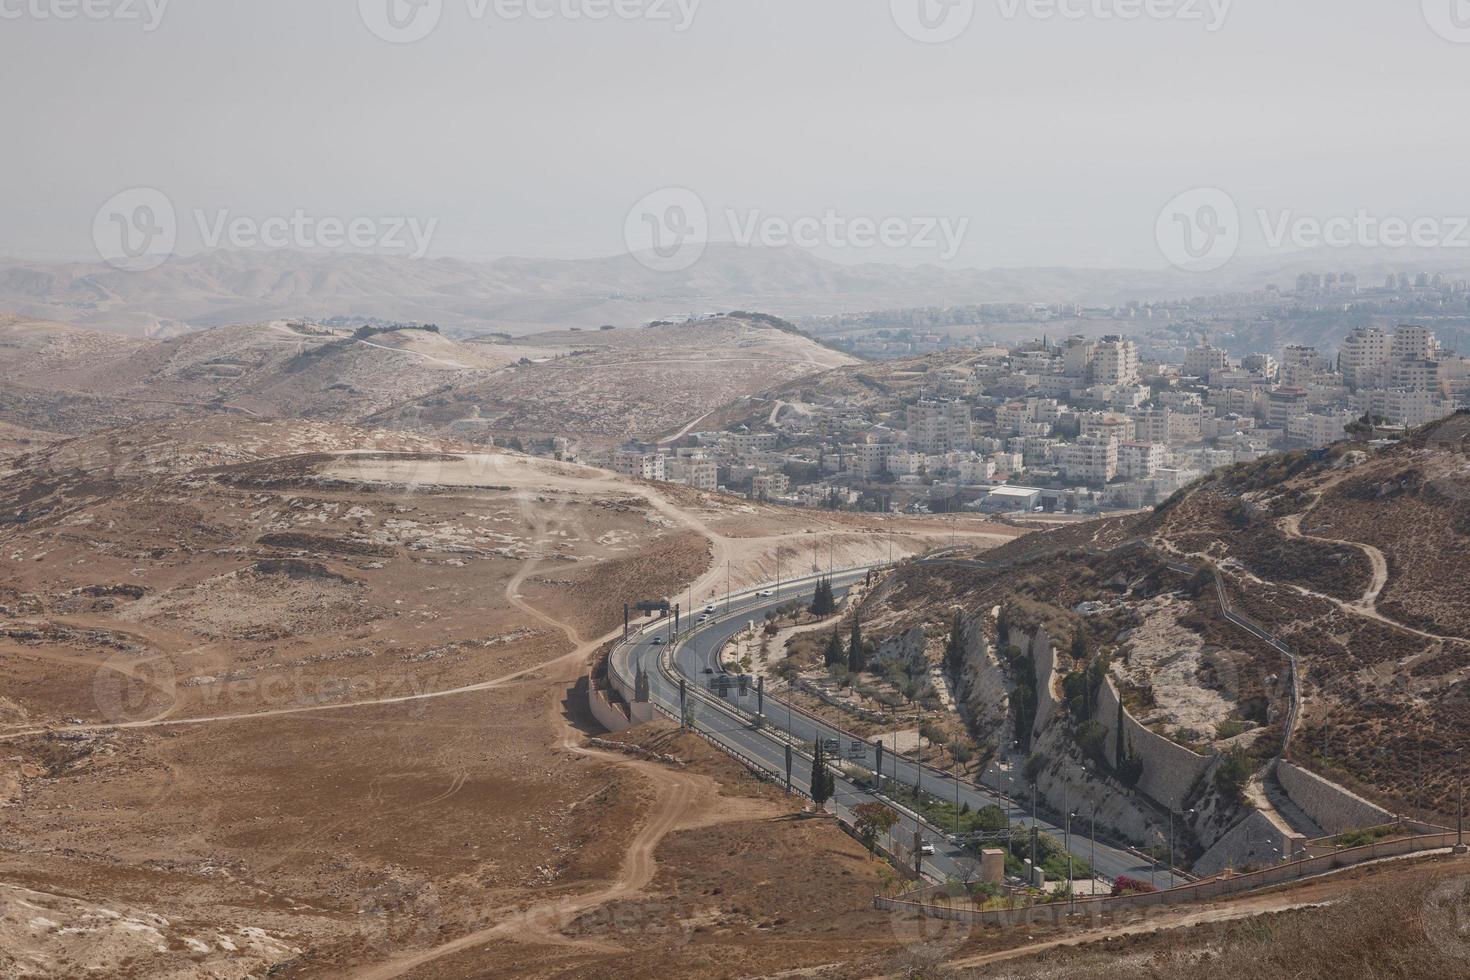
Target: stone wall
{"points": [[1169, 769], [1331, 807]]}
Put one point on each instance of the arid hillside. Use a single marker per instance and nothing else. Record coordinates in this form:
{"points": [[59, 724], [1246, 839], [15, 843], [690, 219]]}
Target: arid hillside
{"points": [[1352, 558], [598, 386], [300, 697]]}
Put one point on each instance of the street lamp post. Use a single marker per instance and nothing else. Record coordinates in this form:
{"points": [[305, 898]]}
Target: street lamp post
{"points": [[1171, 842]]}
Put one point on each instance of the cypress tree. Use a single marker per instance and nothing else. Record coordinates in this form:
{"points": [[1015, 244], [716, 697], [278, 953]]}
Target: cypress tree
{"points": [[822, 781], [834, 654], [954, 650]]}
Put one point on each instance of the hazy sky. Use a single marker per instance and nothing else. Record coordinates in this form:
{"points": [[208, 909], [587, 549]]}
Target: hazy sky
{"points": [[1058, 140]]}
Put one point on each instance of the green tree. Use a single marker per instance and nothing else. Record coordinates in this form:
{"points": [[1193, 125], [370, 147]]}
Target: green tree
{"points": [[824, 603], [1003, 625], [954, 650], [834, 655], [857, 659], [822, 782], [1079, 645], [873, 821]]}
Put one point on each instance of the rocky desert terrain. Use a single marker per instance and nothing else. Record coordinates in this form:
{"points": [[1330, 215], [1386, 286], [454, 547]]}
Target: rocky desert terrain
{"points": [[302, 698]]}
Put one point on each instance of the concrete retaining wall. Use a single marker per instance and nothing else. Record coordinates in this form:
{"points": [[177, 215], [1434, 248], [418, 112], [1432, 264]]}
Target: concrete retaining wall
{"points": [[1254, 842], [1044, 654], [1331, 807], [1169, 769]]}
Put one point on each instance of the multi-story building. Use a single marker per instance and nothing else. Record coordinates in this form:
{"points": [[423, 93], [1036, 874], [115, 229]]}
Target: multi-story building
{"points": [[1140, 460], [1203, 361], [699, 472], [939, 426], [1284, 403], [1364, 355], [1115, 362], [1413, 343], [1091, 459], [638, 465], [768, 485]]}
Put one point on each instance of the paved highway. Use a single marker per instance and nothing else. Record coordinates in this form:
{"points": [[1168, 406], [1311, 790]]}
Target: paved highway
{"points": [[730, 721]]}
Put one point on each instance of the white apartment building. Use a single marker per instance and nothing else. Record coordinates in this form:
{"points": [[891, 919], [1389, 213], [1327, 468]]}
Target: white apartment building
{"points": [[639, 465], [699, 472], [1364, 353], [766, 486], [1140, 460], [1413, 343], [939, 426], [1204, 361], [1314, 430], [868, 459], [1091, 459], [974, 470], [1405, 406], [1115, 362]]}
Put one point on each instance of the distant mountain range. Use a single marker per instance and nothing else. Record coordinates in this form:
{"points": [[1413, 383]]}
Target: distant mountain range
{"points": [[520, 296]]}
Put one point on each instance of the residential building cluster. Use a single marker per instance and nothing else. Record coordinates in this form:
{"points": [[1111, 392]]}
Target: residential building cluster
{"points": [[1077, 424]]}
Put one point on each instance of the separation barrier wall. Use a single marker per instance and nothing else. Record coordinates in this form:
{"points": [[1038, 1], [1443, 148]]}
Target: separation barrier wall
{"points": [[1082, 910]]}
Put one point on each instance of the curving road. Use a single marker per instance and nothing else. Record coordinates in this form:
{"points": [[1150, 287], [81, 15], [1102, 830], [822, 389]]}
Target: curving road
{"points": [[694, 659]]}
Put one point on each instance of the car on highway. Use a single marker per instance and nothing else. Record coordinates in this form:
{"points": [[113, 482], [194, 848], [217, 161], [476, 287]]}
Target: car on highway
{"points": [[926, 848], [709, 610], [658, 641], [765, 593]]}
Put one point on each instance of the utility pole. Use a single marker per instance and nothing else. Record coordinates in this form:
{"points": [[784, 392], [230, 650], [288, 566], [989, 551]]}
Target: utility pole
{"points": [[727, 588], [683, 703], [1033, 828], [1093, 859], [878, 765], [1460, 812], [788, 768]]}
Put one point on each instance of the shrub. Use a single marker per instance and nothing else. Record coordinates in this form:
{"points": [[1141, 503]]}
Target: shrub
{"points": [[1123, 885]]}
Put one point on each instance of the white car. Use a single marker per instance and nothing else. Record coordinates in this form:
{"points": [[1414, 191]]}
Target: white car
{"points": [[765, 593], [709, 610], [926, 848]]}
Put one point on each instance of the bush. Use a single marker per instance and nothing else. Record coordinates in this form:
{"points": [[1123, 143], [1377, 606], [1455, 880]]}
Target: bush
{"points": [[1123, 885]]}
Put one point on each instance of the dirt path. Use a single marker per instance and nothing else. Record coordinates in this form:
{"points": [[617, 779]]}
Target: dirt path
{"points": [[681, 801], [1179, 920]]}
